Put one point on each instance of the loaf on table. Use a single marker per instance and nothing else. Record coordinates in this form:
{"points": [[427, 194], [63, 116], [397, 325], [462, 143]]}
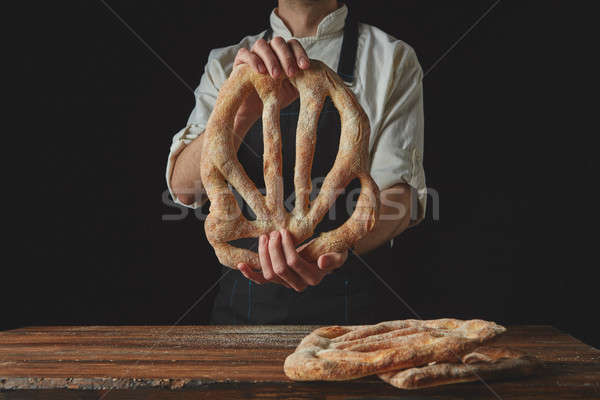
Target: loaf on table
{"points": [[338, 353]]}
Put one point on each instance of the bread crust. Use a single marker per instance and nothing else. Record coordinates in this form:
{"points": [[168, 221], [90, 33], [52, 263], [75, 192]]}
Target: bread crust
{"points": [[485, 363], [338, 353], [220, 167]]}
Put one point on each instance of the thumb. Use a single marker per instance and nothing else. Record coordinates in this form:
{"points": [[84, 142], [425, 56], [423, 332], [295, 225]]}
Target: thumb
{"points": [[331, 261]]}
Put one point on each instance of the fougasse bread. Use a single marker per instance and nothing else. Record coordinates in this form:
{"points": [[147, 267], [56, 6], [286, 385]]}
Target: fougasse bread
{"points": [[220, 166], [484, 363], [337, 353]]}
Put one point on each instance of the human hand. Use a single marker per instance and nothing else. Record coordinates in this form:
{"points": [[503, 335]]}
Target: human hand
{"points": [[277, 58], [281, 263]]}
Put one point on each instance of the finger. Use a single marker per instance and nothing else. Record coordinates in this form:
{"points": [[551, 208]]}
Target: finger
{"points": [[308, 272], [268, 57], [331, 261], [280, 266], [245, 56], [285, 55], [265, 262], [299, 53], [251, 274], [265, 258]]}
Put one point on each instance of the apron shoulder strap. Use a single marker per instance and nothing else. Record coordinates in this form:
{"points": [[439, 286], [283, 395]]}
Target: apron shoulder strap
{"points": [[348, 52], [268, 33]]}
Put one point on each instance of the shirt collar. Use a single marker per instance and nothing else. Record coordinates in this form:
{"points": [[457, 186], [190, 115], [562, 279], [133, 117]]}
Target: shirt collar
{"points": [[331, 25]]}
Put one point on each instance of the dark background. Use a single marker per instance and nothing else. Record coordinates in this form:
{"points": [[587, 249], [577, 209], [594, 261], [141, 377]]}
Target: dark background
{"points": [[508, 148]]}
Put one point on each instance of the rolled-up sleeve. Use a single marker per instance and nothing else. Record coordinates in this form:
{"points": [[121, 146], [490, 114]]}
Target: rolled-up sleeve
{"points": [[205, 96], [397, 154]]}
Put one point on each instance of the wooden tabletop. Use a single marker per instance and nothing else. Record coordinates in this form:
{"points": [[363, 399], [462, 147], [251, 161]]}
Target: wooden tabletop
{"points": [[233, 361]]}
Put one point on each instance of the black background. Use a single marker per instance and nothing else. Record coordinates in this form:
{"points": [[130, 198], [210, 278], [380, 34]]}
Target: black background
{"points": [[508, 148]]}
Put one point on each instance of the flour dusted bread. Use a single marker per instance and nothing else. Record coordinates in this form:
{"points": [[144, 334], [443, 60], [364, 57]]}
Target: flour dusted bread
{"points": [[486, 363], [220, 166], [338, 353]]}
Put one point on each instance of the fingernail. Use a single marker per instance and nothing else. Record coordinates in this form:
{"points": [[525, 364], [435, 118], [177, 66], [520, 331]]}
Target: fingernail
{"points": [[262, 239], [261, 69], [291, 71], [275, 72], [274, 235], [303, 62], [282, 231]]}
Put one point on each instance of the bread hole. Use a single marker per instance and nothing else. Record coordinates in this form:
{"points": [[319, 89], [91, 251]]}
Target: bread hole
{"points": [[245, 208], [288, 122], [326, 147], [250, 156], [328, 140], [245, 243], [342, 209]]}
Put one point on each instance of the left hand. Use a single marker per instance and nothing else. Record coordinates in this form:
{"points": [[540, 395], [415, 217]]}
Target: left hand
{"points": [[280, 262]]}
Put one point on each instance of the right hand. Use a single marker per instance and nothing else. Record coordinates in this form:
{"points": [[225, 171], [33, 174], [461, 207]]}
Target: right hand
{"points": [[275, 57]]}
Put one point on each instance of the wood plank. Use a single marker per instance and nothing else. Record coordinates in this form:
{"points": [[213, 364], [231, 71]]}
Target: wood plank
{"points": [[229, 360]]}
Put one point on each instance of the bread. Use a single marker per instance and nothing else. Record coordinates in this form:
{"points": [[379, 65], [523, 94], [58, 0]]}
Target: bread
{"points": [[338, 353], [220, 167], [486, 363]]}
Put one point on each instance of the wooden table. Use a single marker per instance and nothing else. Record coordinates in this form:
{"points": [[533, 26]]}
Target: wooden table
{"points": [[217, 362]]}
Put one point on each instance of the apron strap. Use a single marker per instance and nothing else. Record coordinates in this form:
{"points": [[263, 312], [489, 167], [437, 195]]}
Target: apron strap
{"points": [[349, 47], [268, 34]]}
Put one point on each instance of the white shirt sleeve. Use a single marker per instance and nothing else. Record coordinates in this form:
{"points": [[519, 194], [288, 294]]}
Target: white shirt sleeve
{"points": [[217, 69], [206, 95], [397, 154]]}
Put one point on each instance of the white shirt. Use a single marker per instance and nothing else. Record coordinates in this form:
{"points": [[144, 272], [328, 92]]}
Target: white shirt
{"points": [[387, 85]]}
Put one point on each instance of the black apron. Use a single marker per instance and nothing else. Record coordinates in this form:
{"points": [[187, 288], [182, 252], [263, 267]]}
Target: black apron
{"points": [[348, 295]]}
